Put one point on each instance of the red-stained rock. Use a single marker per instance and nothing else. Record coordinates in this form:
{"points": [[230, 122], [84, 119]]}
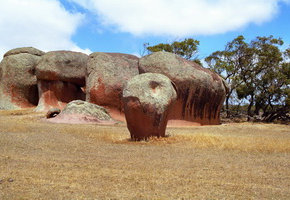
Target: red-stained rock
{"points": [[56, 94], [106, 75], [201, 92], [147, 101], [61, 76], [18, 87]]}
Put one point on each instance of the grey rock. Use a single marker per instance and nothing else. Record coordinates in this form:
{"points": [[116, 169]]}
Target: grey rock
{"points": [[10, 180], [65, 66], [87, 109], [18, 83], [28, 50]]}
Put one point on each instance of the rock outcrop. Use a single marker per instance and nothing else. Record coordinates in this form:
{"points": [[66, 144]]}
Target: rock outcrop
{"points": [[60, 78], [30, 77], [78, 111], [200, 92], [106, 75], [18, 84], [147, 100]]}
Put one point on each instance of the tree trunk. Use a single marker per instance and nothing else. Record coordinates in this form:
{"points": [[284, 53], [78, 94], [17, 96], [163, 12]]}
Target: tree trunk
{"points": [[249, 112], [257, 109], [227, 106]]}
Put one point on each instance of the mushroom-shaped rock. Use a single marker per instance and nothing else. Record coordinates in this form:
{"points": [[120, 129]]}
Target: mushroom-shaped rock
{"points": [[60, 76], [200, 91], [78, 111], [147, 99], [18, 84], [107, 75]]}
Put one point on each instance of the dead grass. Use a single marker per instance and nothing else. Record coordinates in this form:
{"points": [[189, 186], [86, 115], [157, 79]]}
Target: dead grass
{"points": [[61, 161]]}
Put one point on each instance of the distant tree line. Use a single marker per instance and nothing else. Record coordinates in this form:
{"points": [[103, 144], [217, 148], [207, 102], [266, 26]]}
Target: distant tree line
{"points": [[257, 72]]}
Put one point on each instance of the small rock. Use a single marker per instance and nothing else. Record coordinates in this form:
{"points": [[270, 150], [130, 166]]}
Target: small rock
{"points": [[10, 180], [1, 181], [52, 112]]}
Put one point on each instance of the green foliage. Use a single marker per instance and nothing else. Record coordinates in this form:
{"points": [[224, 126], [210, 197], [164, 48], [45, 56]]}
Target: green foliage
{"points": [[229, 64], [187, 48], [258, 72]]}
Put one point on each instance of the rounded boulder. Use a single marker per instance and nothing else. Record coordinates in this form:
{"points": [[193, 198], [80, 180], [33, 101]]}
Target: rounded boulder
{"points": [[78, 111], [66, 66], [61, 78], [147, 100], [200, 92], [18, 83], [107, 75]]}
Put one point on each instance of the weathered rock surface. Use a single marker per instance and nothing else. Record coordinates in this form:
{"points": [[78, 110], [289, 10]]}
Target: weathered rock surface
{"points": [[56, 94], [66, 66], [200, 92], [147, 100], [29, 50], [18, 84], [61, 76], [107, 74], [78, 111]]}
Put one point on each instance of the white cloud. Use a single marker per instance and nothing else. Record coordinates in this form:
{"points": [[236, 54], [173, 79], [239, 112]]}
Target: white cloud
{"points": [[180, 17], [44, 24]]}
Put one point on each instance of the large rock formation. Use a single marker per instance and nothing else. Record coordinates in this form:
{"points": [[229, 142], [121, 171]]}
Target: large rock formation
{"points": [[200, 92], [147, 101], [106, 75], [60, 78], [18, 87], [83, 112]]}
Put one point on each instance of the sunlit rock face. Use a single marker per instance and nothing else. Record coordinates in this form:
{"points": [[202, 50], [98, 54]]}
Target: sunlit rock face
{"points": [[200, 91], [60, 78], [18, 84], [107, 73], [147, 100]]}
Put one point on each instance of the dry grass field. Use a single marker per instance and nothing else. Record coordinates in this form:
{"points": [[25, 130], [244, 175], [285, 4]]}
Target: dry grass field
{"points": [[40, 160]]}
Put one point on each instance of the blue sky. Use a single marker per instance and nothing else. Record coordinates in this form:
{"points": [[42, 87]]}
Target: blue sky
{"points": [[124, 25]]}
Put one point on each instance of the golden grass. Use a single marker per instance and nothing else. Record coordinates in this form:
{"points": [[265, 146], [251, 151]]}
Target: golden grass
{"points": [[243, 137], [61, 161]]}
